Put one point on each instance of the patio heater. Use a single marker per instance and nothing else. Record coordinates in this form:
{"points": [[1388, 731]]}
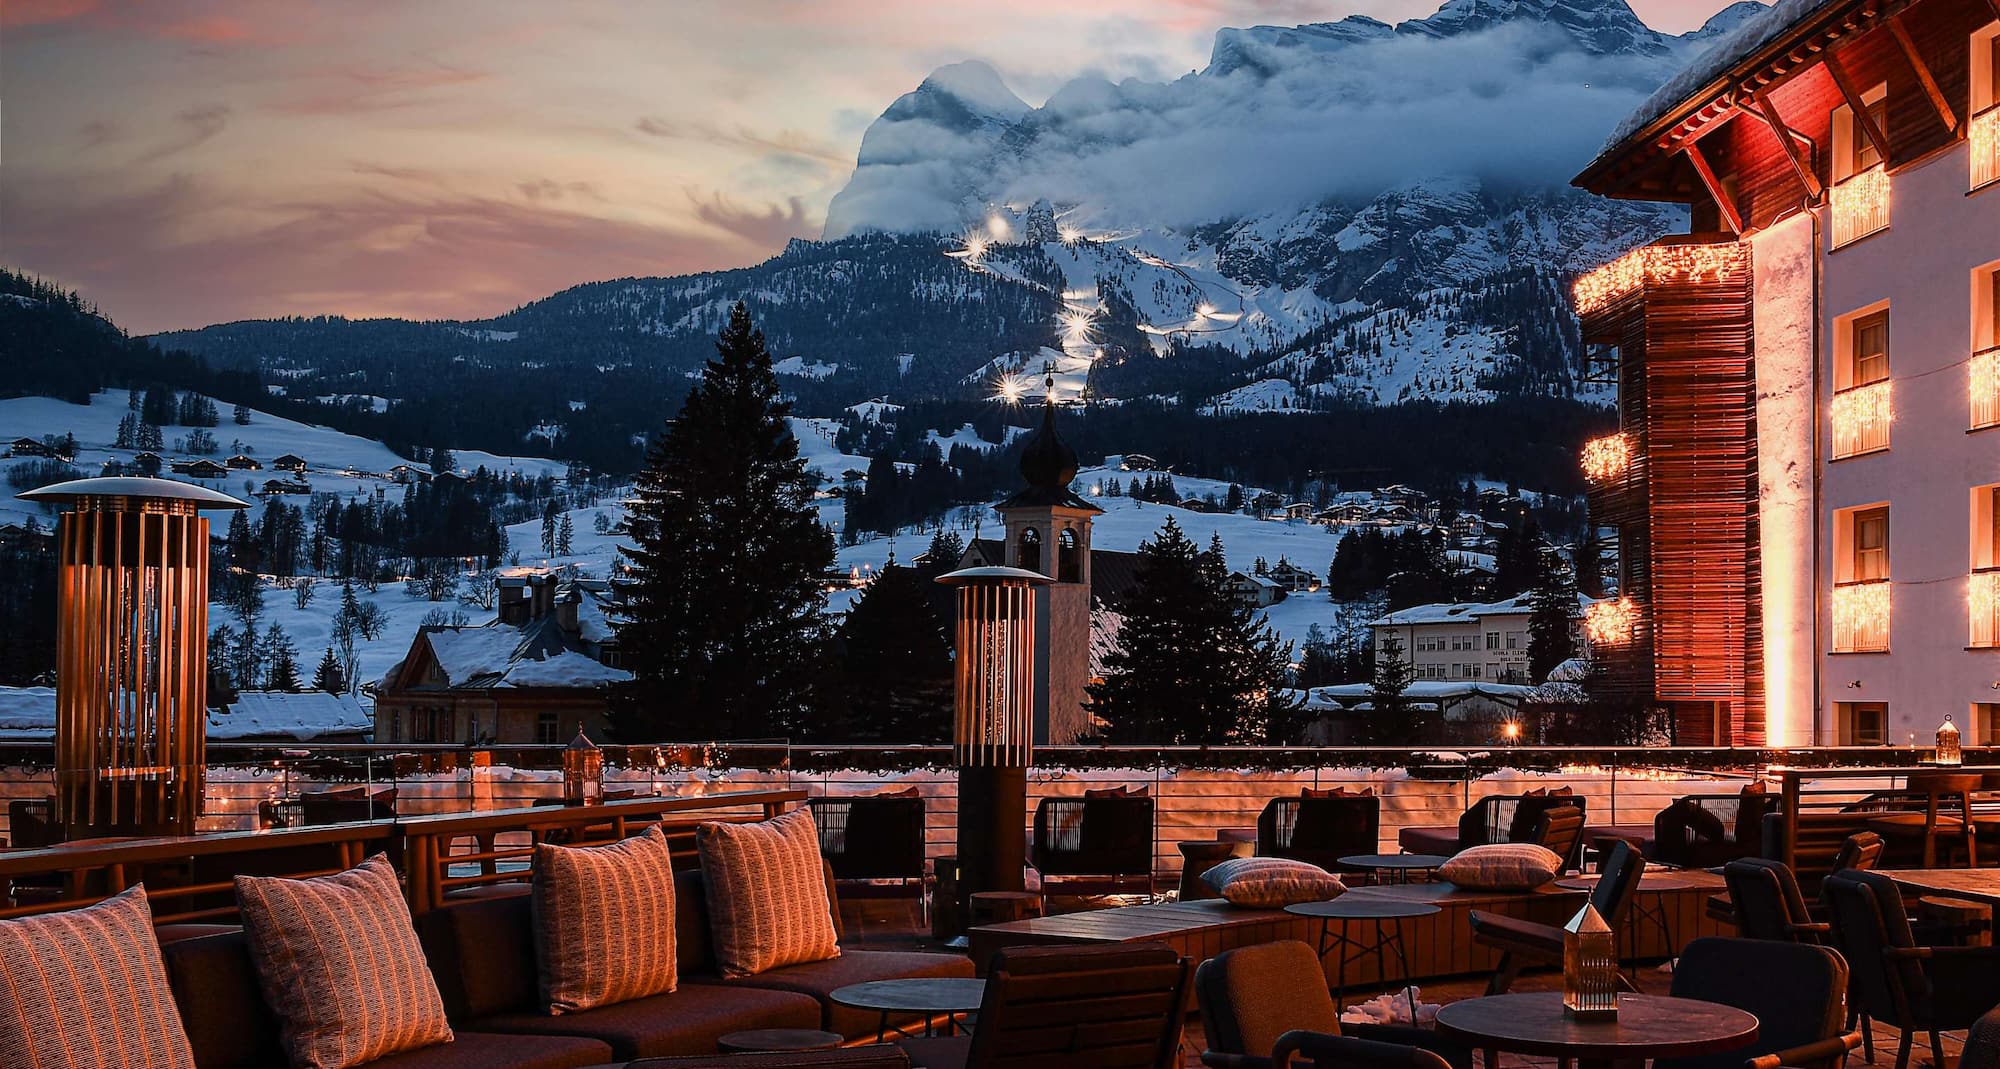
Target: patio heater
{"points": [[131, 653], [994, 722]]}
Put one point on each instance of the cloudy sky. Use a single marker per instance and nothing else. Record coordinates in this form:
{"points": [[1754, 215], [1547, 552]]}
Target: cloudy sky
{"points": [[192, 162]]}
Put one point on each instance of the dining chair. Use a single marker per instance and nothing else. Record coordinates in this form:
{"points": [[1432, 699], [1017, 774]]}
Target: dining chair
{"points": [[1946, 815], [1764, 898], [1522, 943], [1325, 1051], [1910, 987], [1797, 991], [1116, 1006], [1560, 829], [1253, 996]]}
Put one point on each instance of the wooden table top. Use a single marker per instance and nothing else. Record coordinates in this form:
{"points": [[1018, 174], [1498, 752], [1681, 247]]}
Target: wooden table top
{"points": [[1357, 908], [914, 995], [1648, 1026], [1980, 884], [1657, 880], [1126, 923]]}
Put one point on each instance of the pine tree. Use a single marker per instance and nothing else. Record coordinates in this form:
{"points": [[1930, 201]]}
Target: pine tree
{"points": [[1392, 721], [328, 676], [241, 415], [549, 511], [1193, 666], [282, 659], [1552, 619], [1589, 562], [721, 605], [565, 536], [897, 663], [945, 550]]}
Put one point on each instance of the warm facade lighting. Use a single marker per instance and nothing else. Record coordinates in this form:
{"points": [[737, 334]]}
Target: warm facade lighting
{"points": [[1610, 623], [1861, 205], [1861, 617], [1607, 458], [1984, 386], [1984, 604], [1656, 263], [1861, 419], [1984, 138]]}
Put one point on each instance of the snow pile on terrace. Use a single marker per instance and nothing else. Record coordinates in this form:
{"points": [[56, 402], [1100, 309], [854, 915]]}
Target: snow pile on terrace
{"points": [[305, 716], [27, 714]]}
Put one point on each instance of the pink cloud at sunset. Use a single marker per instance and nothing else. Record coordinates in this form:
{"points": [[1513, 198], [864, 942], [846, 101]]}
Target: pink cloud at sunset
{"points": [[196, 162]]}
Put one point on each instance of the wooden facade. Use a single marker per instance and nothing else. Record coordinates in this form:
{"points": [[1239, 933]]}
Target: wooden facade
{"points": [[1686, 505]]}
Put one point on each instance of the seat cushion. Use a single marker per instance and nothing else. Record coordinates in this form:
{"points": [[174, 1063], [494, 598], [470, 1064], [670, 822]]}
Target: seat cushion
{"points": [[221, 1002], [1271, 882], [767, 897], [340, 962], [1442, 841], [1513, 933], [688, 1020], [86, 988], [604, 922], [819, 979], [493, 1050]]}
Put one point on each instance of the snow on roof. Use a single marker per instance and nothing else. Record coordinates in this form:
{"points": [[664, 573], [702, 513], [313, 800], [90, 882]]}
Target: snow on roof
{"points": [[1729, 50], [304, 716], [1426, 690], [1254, 580], [591, 623], [27, 713], [1446, 612], [503, 655], [564, 669], [1574, 670], [467, 653]]}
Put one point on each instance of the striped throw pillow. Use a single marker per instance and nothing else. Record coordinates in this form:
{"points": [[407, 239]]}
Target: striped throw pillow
{"points": [[340, 963], [767, 901], [604, 922], [1271, 882], [1502, 867], [86, 988]]}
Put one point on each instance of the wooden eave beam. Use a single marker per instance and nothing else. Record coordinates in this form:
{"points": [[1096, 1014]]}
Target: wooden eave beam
{"points": [[1786, 141], [1994, 6], [1923, 70], [1722, 199], [1855, 105]]}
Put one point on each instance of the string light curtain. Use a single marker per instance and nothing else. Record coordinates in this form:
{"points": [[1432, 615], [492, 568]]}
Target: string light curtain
{"points": [[131, 653]]}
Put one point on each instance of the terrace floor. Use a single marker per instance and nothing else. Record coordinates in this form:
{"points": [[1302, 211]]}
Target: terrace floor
{"points": [[896, 924]]}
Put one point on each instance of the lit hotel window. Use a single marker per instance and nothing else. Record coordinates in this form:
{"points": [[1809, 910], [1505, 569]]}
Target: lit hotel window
{"points": [[1983, 379], [1861, 412], [1860, 197], [1983, 133], [1983, 596], [1985, 724], [1861, 580], [1863, 723]]}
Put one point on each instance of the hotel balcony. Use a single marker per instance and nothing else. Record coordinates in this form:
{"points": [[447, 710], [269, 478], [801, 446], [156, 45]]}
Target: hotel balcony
{"points": [[1860, 205], [1861, 617], [1983, 138], [1861, 418], [1983, 605], [1983, 387]]}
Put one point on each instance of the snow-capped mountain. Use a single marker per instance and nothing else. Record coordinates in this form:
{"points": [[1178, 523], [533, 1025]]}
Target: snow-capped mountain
{"points": [[1351, 210]]}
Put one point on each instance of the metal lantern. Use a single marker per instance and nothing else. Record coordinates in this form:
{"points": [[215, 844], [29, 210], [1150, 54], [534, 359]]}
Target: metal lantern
{"points": [[1590, 968], [1948, 752], [994, 721], [131, 653], [583, 771]]}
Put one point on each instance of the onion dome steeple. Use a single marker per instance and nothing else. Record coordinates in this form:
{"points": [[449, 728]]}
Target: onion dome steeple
{"points": [[1048, 464]]}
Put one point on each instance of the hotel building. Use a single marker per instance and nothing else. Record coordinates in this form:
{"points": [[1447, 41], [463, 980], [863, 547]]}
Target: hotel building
{"points": [[1806, 479]]}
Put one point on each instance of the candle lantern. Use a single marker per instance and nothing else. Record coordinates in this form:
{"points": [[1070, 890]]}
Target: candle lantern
{"points": [[993, 722], [1948, 752], [583, 771], [131, 653], [1590, 968]]}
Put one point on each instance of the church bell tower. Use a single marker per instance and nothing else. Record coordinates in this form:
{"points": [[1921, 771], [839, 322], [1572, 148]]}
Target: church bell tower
{"points": [[1048, 531]]}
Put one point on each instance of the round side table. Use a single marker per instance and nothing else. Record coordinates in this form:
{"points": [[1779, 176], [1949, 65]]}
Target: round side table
{"points": [[1389, 915], [1394, 868], [1648, 1026], [764, 1040], [931, 997]]}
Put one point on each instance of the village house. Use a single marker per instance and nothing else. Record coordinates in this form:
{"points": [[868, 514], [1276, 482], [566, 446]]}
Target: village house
{"points": [[405, 474], [1292, 577], [1256, 591], [1137, 462], [242, 462], [291, 462], [200, 469], [1465, 640], [28, 447]]}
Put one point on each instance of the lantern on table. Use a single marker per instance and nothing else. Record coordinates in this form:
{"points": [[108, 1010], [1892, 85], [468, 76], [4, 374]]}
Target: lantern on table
{"points": [[1590, 968], [583, 771], [1948, 752]]}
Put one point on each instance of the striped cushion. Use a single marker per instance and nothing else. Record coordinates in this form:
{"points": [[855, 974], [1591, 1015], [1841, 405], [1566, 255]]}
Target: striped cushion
{"points": [[340, 964], [767, 902], [1502, 867], [86, 988], [604, 922], [1271, 882]]}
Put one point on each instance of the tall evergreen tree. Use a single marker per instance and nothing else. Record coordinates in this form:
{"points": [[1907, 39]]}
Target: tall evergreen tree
{"points": [[282, 660], [1552, 619], [1193, 666], [1393, 721], [897, 663], [721, 603], [328, 676]]}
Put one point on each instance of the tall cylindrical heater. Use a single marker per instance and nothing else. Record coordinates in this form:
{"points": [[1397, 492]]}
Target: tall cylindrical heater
{"points": [[131, 654], [993, 729]]}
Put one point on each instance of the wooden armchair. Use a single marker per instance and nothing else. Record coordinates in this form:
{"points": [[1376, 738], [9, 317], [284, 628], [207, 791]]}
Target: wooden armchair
{"points": [[1522, 943]]}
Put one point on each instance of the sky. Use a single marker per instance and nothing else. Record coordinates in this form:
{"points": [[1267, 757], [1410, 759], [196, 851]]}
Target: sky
{"points": [[187, 162]]}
